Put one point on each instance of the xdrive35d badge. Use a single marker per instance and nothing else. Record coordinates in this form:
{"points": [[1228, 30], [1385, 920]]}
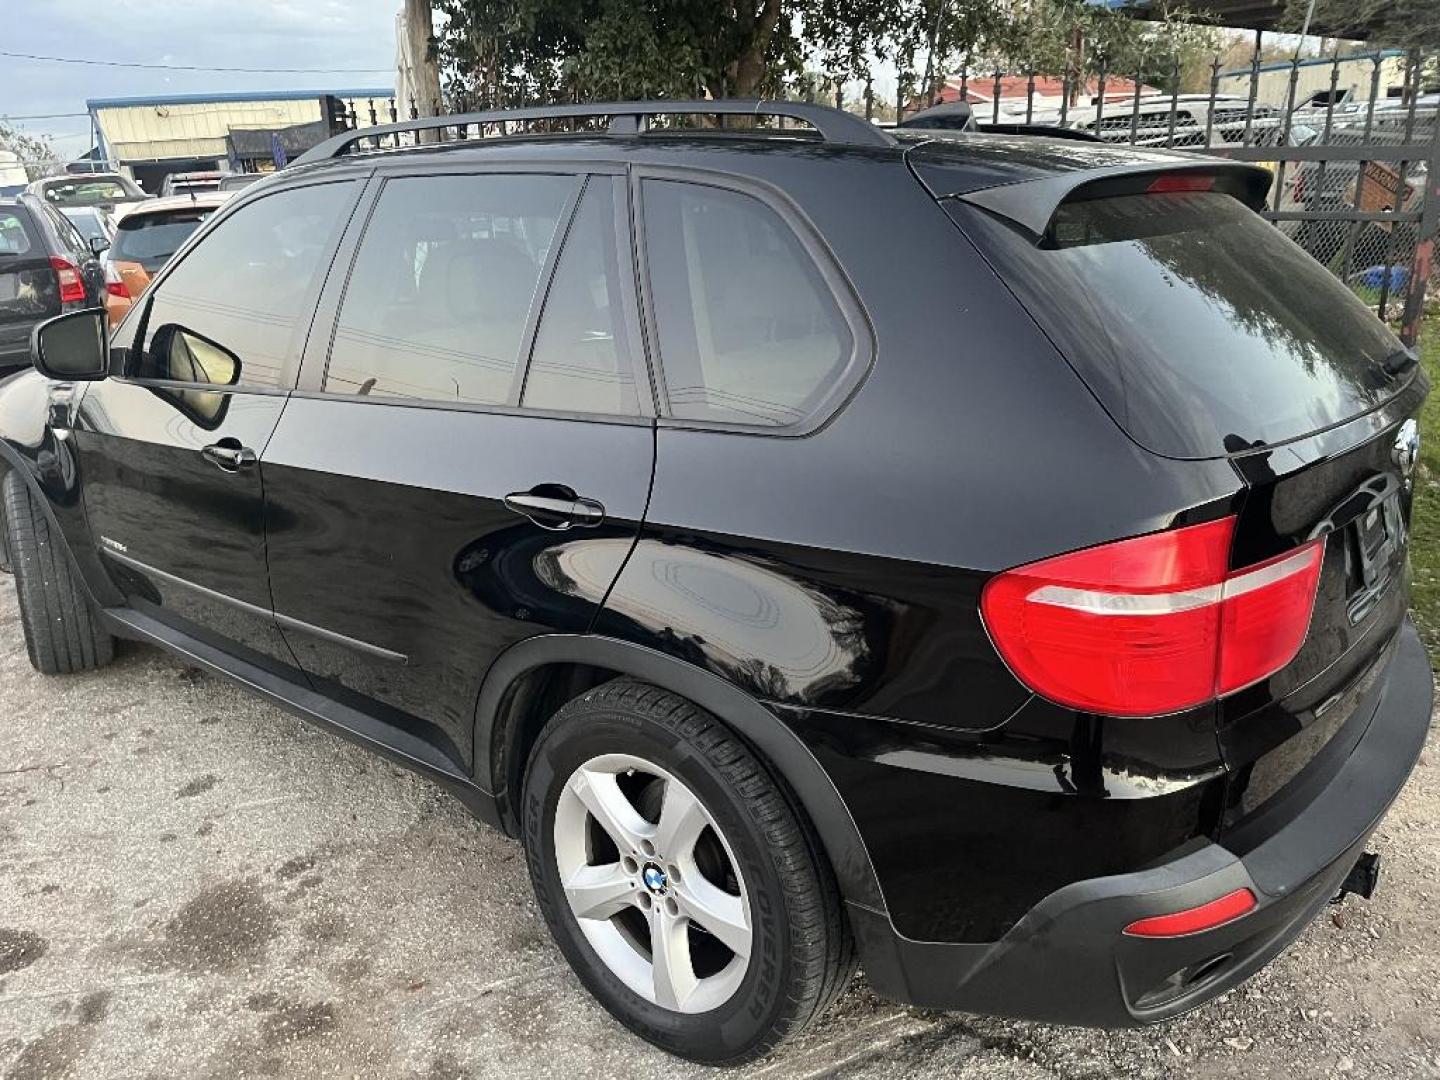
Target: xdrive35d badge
{"points": [[617, 482]]}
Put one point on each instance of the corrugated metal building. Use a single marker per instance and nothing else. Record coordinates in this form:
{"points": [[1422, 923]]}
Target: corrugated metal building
{"points": [[1273, 87], [150, 137]]}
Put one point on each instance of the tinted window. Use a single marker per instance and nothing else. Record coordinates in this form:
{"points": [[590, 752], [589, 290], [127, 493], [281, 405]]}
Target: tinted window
{"points": [[68, 235], [14, 236], [1199, 326], [87, 221], [441, 289], [151, 239], [244, 290], [581, 360], [749, 331], [70, 192]]}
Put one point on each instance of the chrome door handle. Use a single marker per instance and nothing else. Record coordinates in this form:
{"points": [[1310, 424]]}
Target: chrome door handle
{"points": [[558, 511], [229, 456]]}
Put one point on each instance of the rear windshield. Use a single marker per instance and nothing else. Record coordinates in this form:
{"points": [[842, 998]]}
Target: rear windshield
{"points": [[150, 239], [85, 192], [14, 233], [1200, 327]]}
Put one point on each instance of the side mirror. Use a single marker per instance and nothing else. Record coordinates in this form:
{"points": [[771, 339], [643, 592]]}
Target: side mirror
{"points": [[98, 245], [73, 347]]}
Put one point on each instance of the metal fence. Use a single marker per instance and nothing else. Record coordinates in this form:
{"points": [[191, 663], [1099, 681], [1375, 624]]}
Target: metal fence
{"points": [[1356, 158]]}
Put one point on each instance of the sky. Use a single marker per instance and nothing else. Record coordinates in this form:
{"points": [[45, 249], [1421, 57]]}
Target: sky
{"points": [[330, 34]]}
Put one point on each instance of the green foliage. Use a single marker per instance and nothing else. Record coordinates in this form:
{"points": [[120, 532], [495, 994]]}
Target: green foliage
{"points": [[510, 52], [35, 151], [1408, 24]]}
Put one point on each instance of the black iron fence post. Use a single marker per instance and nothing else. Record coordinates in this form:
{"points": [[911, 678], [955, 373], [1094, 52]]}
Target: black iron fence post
{"points": [[1214, 93], [1254, 88], [1174, 101], [1412, 91], [1135, 109], [1348, 250]]}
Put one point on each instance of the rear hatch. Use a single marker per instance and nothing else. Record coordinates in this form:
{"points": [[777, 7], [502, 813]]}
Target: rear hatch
{"points": [[29, 291], [1206, 333], [144, 242]]}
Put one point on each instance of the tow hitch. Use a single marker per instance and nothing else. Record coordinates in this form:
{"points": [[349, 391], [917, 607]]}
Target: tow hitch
{"points": [[1364, 876]]}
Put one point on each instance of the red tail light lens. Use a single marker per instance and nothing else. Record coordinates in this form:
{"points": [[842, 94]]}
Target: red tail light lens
{"points": [[114, 283], [1226, 909], [72, 288], [1180, 182], [1153, 624]]}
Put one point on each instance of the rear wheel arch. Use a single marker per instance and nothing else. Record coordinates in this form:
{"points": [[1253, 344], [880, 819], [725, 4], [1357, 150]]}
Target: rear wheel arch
{"points": [[533, 678]]}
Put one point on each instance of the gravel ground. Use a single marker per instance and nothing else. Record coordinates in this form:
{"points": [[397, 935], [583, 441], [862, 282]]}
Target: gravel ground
{"points": [[193, 884]]}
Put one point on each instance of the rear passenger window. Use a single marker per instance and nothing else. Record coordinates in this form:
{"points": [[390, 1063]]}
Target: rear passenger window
{"points": [[749, 330], [442, 287], [231, 313], [14, 237], [581, 359]]}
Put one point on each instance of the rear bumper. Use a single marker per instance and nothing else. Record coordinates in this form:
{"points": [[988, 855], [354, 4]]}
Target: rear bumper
{"points": [[1067, 961]]}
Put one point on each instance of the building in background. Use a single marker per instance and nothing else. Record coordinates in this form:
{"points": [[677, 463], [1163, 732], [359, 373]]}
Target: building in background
{"points": [[1312, 81], [151, 137]]}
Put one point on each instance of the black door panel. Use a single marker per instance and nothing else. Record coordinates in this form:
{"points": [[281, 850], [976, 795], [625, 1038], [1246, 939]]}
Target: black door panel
{"points": [[388, 527], [155, 501]]}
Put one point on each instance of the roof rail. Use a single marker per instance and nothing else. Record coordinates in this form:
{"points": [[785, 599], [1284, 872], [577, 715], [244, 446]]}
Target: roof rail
{"points": [[626, 118]]}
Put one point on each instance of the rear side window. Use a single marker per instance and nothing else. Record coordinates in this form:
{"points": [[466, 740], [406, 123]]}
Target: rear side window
{"points": [[14, 233], [581, 359], [749, 331], [1200, 328], [80, 192], [149, 240], [232, 312], [442, 287]]}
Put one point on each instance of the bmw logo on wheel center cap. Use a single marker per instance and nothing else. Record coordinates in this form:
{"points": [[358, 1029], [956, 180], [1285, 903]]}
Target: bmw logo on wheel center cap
{"points": [[655, 879]]}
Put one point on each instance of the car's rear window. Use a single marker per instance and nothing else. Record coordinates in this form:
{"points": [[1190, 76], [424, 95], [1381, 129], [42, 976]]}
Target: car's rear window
{"points": [[150, 239], [1200, 327], [14, 233], [83, 192]]}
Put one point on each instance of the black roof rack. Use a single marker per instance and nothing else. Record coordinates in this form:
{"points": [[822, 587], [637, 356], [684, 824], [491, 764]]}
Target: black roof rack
{"points": [[625, 118]]}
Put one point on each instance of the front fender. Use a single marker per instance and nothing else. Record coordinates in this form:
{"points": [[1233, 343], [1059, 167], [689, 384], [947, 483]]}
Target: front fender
{"points": [[744, 714]]}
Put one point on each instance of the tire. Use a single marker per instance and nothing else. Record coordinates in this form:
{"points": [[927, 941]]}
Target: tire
{"points": [[62, 628], [800, 951]]}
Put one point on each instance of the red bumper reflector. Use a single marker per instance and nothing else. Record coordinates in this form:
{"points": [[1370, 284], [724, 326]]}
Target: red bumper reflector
{"points": [[1193, 920]]}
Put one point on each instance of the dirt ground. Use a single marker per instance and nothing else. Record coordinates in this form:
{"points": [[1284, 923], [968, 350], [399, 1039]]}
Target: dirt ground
{"points": [[195, 885]]}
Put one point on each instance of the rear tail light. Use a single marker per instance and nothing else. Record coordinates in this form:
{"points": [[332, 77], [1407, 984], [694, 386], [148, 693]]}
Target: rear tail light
{"points": [[1181, 182], [1226, 909], [1153, 624], [114, 283], [72, 287]]}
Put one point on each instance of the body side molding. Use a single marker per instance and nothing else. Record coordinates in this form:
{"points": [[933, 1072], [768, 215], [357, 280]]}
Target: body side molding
{"points": [[748, 717]]}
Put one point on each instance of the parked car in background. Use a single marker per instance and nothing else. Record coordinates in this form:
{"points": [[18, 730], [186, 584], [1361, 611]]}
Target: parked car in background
{"points": [[185, 182], [46, 269], [95, 223], [145, 238], [236, 180], [88, 189], [13, 177]]}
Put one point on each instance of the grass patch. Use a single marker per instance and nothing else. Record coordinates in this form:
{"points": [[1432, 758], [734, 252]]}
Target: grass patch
{"points": [[1425, 519]]}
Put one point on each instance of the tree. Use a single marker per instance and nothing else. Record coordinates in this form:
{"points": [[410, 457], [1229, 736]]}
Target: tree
{"points": [[510, 52], [35, 151], [1408, 24]]}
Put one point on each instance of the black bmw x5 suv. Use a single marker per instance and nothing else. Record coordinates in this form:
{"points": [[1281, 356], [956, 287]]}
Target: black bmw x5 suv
{"points": [[981, 558]]}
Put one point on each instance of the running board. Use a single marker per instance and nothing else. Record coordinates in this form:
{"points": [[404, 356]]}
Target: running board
{"points": [[375, 735]]}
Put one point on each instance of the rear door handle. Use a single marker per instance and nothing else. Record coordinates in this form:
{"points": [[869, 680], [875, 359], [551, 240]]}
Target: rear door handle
{"points": [[229, 456], [555, 507]]}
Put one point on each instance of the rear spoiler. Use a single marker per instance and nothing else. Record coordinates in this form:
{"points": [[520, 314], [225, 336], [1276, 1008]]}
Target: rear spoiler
{"points": [[1031, 204]]}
